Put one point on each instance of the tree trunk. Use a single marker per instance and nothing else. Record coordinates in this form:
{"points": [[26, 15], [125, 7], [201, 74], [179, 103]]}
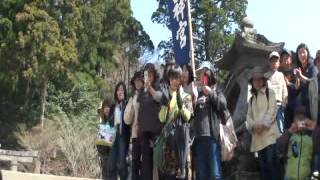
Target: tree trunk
{"points": [[27, 95], [206, 37], [44, 93]]}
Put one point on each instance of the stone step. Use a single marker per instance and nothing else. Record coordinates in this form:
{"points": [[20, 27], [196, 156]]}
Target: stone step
{"points": [[12, 175]]}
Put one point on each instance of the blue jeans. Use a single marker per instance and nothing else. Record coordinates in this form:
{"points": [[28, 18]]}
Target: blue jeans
{"points": [[268, 163], [207, 158], [280, 118], [117, 163]]}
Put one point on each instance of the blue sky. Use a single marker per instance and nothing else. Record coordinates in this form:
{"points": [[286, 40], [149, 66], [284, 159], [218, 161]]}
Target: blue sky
{"points": [[289, 21]]}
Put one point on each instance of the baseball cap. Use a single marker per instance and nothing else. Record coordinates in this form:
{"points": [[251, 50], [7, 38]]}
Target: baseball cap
{"points": [[274, 54]]}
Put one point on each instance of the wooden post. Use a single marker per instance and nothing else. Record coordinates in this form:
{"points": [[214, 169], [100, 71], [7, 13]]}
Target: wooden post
{"points": [[191, 39]]}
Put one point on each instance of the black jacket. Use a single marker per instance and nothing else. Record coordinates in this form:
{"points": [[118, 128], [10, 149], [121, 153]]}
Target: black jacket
{"points": [[125, 129], [209, 112]]}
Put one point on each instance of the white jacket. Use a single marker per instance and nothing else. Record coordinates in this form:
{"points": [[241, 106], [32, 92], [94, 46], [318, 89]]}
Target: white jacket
{"points": [[278, 84], [131, 115], [262, 110]]}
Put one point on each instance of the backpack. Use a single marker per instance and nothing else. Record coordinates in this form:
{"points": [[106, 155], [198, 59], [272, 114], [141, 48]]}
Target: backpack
{"points": [[299, 157]]}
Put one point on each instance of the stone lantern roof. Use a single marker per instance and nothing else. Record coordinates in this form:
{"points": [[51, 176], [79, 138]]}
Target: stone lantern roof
{"points": [[249, 49]]}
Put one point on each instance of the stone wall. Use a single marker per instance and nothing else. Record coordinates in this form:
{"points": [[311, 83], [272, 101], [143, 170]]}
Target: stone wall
{"points": [[11, 175]]}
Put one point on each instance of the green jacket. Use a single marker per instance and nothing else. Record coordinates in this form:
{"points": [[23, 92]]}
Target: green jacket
{"points": [[299, 165], [185, 112]]}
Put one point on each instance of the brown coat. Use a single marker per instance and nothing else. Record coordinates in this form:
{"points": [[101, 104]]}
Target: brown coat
{"points": [[149, 109]]}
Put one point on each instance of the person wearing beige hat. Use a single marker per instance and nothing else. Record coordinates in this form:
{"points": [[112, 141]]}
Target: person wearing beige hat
{"points": [[277, 82], [261, 123]]}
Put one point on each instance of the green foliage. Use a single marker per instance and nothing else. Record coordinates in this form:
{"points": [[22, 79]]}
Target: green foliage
{"points": [[41, 41], [65, 49], [214, 23], [80, 103], [55, 59]]}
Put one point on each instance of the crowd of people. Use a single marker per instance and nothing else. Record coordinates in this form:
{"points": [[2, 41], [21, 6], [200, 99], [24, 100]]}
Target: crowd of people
{"points": [[173, 122]]}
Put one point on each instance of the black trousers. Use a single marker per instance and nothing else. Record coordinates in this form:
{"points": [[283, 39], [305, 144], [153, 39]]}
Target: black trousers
{"points": [[136, 159], [288, 117], [181, 144], [147, 140], [103, 152], [167, 177]]}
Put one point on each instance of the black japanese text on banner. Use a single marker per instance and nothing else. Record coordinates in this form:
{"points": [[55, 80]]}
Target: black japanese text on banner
{"points": [[179, 25]]}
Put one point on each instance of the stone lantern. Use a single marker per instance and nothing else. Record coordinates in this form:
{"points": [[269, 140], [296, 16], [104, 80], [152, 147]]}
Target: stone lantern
{"points": [[248, 50]]}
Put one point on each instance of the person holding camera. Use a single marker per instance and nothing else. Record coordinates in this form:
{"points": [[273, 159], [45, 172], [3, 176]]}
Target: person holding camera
{"points": [[209, 104], [149, 125], [296, 146]]}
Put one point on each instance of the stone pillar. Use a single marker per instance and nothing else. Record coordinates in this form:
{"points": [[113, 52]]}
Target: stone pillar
{"points": [[37, 166], [14, 165]]}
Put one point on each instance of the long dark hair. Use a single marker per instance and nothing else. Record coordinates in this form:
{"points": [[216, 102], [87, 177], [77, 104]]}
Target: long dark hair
{"points": [[300, 46], [117, 88], [106, 103], [189, 69], [253, 90]]}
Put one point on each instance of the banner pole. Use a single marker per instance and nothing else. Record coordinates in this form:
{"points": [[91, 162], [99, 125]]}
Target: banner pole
{"points": [[191, 39]]}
